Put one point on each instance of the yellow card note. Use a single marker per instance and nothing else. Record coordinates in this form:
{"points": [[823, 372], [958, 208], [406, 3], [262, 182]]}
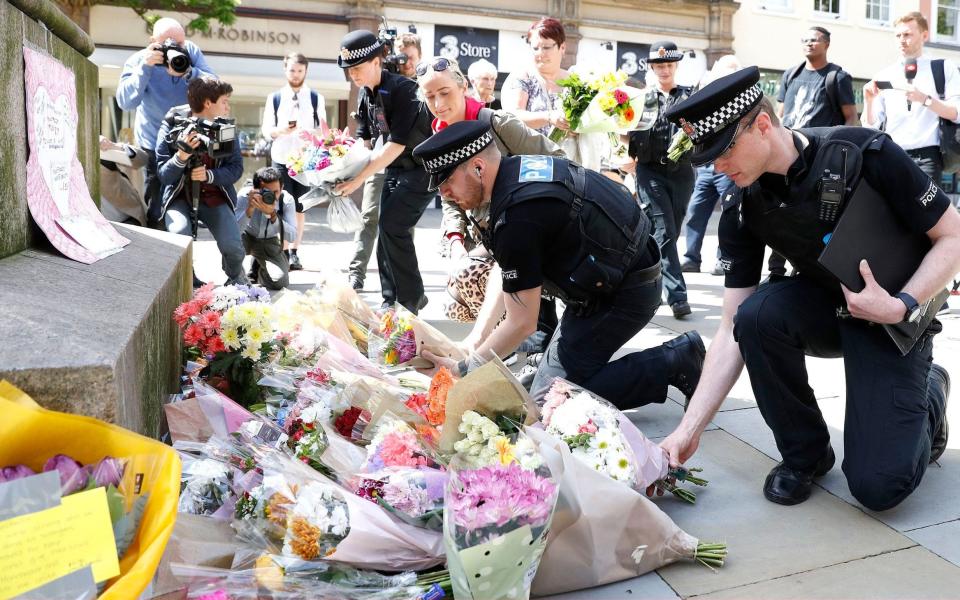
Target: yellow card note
{"points": [[38, 548]]}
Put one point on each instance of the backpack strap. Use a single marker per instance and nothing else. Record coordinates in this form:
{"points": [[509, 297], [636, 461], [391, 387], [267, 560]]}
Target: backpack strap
{"points": [[939, 79], [275, 97], [793, 74], [830, 86], [315, 101]]}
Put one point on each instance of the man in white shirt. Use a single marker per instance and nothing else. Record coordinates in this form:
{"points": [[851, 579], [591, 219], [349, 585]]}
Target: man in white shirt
{"points": [[910, 111], [294, 107]]}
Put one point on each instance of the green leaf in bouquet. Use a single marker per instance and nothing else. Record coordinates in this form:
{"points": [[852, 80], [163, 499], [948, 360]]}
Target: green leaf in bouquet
{"points": [[115, 504], [125, 530]]}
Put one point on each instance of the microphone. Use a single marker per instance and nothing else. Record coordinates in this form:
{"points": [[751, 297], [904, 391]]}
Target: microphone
{"points": [[910, 71]]}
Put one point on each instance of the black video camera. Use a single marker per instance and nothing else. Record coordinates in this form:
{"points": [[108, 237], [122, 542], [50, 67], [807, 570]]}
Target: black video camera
{"points": [[175, 56], [392, 60], [217, 137]]}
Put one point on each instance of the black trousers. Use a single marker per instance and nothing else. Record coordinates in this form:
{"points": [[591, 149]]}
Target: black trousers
{"points": [[152, 188], [402, 202], [291, 185], [666, 191], [891, 411]]}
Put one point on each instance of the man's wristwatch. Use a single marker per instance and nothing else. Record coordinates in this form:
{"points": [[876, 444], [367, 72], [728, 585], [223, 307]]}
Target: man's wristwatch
{"points": [[913, 312], [928, 101]]}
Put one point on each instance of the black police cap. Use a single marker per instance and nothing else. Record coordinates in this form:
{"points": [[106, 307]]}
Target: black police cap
{"points": [[358, 47], [664, 52], [451, 146], [711, 116]]}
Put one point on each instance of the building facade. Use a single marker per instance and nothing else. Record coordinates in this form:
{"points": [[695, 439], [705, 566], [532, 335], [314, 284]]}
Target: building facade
{"points": [[606, 33]]}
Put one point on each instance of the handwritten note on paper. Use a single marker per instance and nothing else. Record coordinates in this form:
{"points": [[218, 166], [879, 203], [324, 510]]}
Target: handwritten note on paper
{"points": [[40, 547]]}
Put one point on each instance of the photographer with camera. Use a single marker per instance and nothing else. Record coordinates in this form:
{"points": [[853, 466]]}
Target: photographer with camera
{"points": [[266, 214], [153, 81], [199, 161], [394, 111]]}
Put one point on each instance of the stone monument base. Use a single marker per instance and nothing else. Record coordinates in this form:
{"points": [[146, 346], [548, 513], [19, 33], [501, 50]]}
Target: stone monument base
{"points": [[97, 340]]}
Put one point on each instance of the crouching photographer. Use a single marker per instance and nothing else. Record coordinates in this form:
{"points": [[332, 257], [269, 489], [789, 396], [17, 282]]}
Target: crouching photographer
{"points": [[266, 215], [198, 163]]}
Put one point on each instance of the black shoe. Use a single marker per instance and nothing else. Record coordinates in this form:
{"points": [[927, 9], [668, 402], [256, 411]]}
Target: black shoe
{"points": [[681, 309], [356, 282], [197, 283], [788, 486], [689, 267], [940, 436], [295, 262], [254, 273], [685, 362]]}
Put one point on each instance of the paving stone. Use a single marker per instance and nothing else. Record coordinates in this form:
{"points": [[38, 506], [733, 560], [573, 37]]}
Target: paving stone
{"points": [[912, 573], [766, 540], [943, 540], [648, 587]]}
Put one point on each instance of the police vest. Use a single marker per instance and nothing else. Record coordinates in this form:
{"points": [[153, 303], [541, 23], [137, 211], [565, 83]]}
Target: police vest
{"points": [[651, 145], [611, 227], [796, 228]]}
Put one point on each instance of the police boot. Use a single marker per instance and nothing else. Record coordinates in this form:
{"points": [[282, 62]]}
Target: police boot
{"points": [[684, 356], [939, 377], [792, 486]]}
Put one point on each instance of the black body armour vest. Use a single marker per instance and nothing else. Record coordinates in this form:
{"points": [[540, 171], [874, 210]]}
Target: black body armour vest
{"points": [[794, 225], [612, 229]]}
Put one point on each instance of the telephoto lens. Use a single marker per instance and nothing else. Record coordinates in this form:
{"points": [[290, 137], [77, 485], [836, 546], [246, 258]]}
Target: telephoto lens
{"points": [[175, 56]]}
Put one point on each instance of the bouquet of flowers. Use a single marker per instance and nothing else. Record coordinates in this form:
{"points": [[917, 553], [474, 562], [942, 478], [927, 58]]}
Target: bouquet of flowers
{"points": [[321, 162], [199, 318], [249, 337], [396, 444], [498, 509], [414, 495], [398, 343], [599, 103], [597, 434]]}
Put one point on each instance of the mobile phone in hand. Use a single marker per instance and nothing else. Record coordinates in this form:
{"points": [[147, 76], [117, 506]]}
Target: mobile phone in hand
{"points": [[884, 85]]}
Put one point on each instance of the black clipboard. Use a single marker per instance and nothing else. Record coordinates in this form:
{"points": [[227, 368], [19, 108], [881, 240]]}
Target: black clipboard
{"points": [[869, 229]]}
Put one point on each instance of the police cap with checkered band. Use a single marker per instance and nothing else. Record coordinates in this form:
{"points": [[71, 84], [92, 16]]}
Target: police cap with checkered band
{"points": [[358, 47], [711, 116], [664, 52], [450, 147]]}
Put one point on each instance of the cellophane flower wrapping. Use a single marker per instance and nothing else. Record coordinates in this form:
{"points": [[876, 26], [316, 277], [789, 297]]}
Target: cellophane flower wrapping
{"points": [[326, 159], [601, 436], [412, 494], [497, 514]]}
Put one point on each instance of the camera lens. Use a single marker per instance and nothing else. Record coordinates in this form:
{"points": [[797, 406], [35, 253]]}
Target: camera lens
{"points": [[267, 196], [178, 61]]}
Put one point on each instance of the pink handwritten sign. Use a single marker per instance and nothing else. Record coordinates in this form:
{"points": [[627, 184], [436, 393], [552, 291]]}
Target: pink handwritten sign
{"points": [[57, 192]]}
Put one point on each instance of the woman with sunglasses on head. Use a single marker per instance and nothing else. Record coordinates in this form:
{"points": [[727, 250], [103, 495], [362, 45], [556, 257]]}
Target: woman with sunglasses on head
{"points": [[393, 112], [443, 88]]}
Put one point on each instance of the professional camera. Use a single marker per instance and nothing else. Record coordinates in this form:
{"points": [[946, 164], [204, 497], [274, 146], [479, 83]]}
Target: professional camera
{"points": [[175, 56], [267, 196], [217, 137], [388, 35]]}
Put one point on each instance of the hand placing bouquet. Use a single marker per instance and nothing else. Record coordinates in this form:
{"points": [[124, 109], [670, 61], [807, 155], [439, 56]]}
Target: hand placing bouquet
{"points": [[321, 162]]}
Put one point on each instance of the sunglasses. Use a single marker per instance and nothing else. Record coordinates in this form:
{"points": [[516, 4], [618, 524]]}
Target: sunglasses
{"points": [[440, 64]]}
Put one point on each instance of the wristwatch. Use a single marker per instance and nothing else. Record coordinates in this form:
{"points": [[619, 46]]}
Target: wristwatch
{"points": [[913, 312], [928, 101]]}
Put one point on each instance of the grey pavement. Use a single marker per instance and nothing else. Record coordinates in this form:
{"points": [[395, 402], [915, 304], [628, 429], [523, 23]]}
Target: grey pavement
{"points": [[828, 547]]}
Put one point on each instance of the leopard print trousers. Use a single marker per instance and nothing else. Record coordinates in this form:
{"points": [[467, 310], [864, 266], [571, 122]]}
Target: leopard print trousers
{"points": [[468, 288]]}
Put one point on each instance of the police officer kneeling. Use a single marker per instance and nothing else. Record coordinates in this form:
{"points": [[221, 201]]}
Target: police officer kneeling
{"points": [[895, 405], [579, 235]]}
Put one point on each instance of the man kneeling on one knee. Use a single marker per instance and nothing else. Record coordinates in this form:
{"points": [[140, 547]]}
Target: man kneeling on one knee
{"points": [[896, 421], [265, 214]]}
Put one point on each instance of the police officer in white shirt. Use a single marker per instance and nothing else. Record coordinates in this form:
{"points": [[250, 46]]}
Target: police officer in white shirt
{"points": [[909, 110], [294, 107]]}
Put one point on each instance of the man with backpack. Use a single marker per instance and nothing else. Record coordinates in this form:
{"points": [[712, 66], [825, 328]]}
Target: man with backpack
{"points": [[293, 108], [909, 98], [816, 93]]}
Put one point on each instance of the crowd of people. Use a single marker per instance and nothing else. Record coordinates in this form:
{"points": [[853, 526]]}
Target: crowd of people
{"points": [[530, 223]]}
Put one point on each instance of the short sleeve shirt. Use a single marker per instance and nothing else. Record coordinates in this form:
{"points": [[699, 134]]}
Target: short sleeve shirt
{"points": [[397, 113], [805, 100], [912, 196], [538, 98]]}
